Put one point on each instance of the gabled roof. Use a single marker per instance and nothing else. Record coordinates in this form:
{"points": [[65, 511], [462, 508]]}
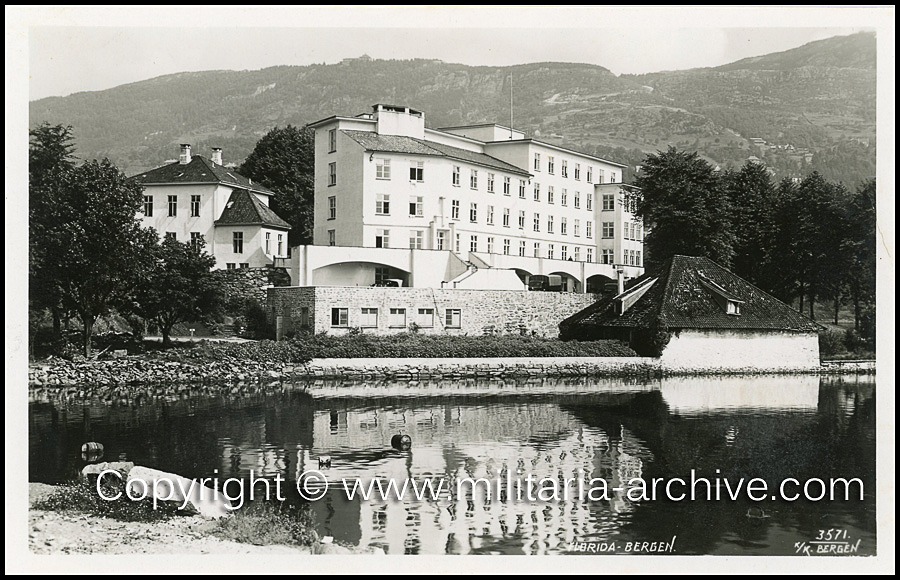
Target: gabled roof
{"points": [[684, 296], [244, 208], [199, 170], [372, 141]]}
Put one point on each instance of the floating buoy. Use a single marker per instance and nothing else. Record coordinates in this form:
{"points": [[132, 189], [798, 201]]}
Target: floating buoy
{"points": [[92, 447], [324, 461], [401, 442]]}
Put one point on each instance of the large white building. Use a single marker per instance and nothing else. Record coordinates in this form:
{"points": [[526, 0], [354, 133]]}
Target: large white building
{"points": [[476, 207]]}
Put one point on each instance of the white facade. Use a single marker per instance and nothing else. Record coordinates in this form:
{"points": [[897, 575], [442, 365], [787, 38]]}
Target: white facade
{"points": [[484, 193]]}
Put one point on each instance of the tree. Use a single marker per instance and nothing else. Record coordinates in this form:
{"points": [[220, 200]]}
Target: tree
{"points": [[684, 208], [861, 222], [91, 241], [751, 196], [178, 286], [284, 161]]}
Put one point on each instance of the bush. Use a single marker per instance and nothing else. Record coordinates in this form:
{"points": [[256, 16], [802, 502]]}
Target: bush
{"points": [[831, 342], [81, 496], [262, 524]]}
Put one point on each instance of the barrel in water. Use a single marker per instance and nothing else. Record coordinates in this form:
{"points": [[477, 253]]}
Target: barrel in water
{"points": [[91, 451], [401, 442]]}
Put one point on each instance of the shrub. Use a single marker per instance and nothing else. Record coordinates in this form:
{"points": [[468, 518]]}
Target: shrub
{"points": [[81, 496], [831, 342], [262, 523]]}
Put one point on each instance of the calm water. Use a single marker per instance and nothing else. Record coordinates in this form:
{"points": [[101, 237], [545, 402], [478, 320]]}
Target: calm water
{"points": [[772, 428]]}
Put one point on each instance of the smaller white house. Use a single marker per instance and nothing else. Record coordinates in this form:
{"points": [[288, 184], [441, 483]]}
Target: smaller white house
{"points": [[199, 198], [695, 314]]}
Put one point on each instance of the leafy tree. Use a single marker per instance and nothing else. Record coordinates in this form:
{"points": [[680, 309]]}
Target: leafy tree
{"points": [[178, 286], [684, 207], [284, 161], [861, 225], [91, 241], [751, 195]]}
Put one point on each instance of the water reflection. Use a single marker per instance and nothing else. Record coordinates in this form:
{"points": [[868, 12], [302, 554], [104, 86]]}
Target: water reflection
{"points": [[769, 427]]}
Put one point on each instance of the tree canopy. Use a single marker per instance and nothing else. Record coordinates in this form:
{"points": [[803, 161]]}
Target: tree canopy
{"points": [[284, 161]]}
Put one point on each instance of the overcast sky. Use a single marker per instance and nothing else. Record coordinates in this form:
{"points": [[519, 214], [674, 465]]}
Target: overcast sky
{"points": [[85, 49]]}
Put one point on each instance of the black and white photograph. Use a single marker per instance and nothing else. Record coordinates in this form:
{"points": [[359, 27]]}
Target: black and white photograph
{"points": [[362, 287]]}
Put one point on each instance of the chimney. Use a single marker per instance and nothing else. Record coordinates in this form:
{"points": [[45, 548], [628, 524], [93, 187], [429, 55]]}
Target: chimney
{"points": [[185, 154], [620, 279], [217, 155]]}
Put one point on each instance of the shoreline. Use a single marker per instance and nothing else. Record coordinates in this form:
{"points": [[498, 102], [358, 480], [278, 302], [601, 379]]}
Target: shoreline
{"points": [[135, 370]]}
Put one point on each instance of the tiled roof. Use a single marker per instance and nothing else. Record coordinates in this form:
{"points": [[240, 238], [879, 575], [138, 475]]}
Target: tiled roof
{"points": [[400, 144], [244, 208], [680, 299], [199, 170]]}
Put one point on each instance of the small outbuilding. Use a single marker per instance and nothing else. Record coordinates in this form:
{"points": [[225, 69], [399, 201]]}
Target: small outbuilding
{"points": [[694, 314]]}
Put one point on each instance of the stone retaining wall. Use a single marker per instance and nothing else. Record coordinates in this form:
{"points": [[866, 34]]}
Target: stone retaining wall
{"points": [[251, 282]]}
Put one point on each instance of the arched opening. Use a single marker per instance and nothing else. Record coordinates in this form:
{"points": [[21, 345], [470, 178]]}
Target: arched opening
{"points": [[600, 284], [359, 274], [524, 275], [567, 282]]}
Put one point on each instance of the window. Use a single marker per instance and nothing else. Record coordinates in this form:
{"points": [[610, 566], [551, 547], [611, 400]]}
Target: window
{"points": [[589, 229], [608, 202], [612, 177], [304, 317], [577, 228], [425, 317], [473, 212], [237, 242], [577, 171], [537, 249], [549, 194], [332, 140], [590, 174], [173, 205], [490, 215], [506, 247], [368, 318], [537, 192], [550, 164], [473, 178], [637, 258], [454, 209], [230, 266], [590, 255], [382, 168], [577, 254], [490, 183], [590, 202], [537, 161], [332, 174], [456, 175], [522, 247], [268, 243], [339, 317], [416, 237], [415, 206], [537, 222], [382, 204], [565, 168], [562, 226], [549, 224], [638, 234], [577, 200], [382, 238], [606, 257], [505, 186], [279, 244], [441, 239], [196, 240], [244, 265], [397, 317], [522, 188], [453, 318], [330, 237], [599, 176], [506, 217], [417, 171], [457, 244], [490, 245], [608, 230], [381, 274], [628, 231], [195, 206], [563, 252], [473, 243], [630, 257], [521, 220], [332, 207], [171, 236], [564, 197], [550, 251], [148, 206]]}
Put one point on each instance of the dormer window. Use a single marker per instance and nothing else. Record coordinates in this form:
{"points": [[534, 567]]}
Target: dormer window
{"points": [[730, 303]]}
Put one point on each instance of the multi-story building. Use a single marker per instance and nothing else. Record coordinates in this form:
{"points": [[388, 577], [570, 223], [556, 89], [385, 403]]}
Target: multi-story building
{"points": [[478, 206], [197, 198]]}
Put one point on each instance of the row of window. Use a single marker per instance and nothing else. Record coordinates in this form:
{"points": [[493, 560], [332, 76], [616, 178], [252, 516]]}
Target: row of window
{"points": [[563, 197], [564, 169], [397, 317], [237, 241], [196, 238], [233, 266], [172, 205]]}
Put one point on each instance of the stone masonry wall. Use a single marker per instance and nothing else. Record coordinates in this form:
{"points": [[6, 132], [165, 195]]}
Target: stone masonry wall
{"points": [[480, 311], [249, 282]]}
